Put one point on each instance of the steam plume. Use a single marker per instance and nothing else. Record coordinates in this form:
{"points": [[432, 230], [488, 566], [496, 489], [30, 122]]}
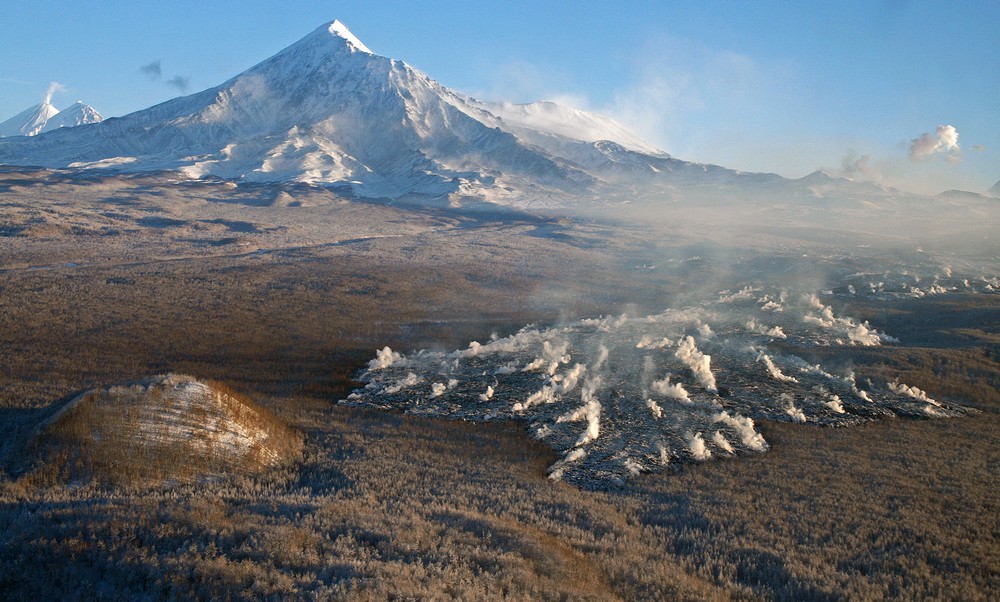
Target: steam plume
{"points": [[654, 408], [744, 427], [931, 407], [52, 89], [384, 358], [773, 370], [720, 440], [590, 410], [698, 362], [696, 443], [670, 391]]}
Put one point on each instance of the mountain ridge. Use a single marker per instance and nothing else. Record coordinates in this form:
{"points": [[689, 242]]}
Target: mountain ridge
{"points": [[327, 110]]}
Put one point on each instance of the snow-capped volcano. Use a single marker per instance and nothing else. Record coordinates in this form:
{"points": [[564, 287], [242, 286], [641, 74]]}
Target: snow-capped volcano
{"points": [[325, 109], [44, 117], [29, 121], [328, 110], [76, 114]]}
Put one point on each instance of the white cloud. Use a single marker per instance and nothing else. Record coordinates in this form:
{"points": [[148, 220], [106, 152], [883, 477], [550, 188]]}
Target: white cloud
{"points": [[943, 140]]}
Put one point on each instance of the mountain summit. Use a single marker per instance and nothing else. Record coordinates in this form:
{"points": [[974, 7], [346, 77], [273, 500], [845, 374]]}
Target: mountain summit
{"points": [[29, 121], [76, 114], [339, 29]]}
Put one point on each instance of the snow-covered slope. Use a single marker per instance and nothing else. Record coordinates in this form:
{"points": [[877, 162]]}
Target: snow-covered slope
{"points": [[537, 122], [29, 121], [76, 114]]}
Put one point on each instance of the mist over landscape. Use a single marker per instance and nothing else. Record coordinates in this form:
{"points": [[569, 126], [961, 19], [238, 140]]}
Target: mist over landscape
{"points": [[331, 329]]}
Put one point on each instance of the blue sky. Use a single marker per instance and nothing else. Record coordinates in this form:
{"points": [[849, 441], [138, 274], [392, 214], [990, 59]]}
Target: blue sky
{"points": [[788, 87]]}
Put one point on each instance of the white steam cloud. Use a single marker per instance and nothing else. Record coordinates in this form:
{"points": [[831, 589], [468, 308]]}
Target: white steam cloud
{"points": [[52, 89], [699, 363], [410, 380], [555, 387], [654, 408], [590, 410], [775, 331], [856, 333], [854, 166], [744, 427], [918, 394], [648, 342], [720, 440], [943, 140], [775, 372], [551, 357], [384, 358], [833, 401], [557, 470], [627, 366], [696, 443], [671, 390], [795, 413]]}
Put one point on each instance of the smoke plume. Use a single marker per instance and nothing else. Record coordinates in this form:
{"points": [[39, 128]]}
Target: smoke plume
{"points": [[180, 82], [153, 70]]}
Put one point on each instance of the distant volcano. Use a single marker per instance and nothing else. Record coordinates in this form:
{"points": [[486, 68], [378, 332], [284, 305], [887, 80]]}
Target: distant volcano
{"points": [[44, 117], [29, 121], [76, 114]]}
